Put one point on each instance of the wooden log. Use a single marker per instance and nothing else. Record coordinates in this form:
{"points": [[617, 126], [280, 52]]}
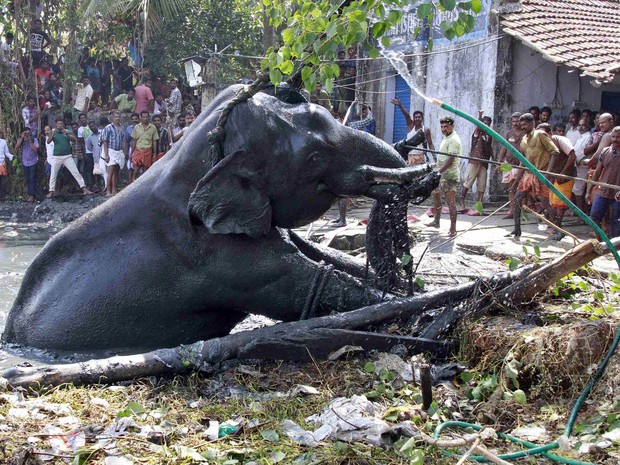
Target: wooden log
{"points": [[546, 276], [321, 342]]}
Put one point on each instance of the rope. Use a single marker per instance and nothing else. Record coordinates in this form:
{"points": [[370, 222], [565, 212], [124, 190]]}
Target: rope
{"points": [[217, 135], [519, 167]]}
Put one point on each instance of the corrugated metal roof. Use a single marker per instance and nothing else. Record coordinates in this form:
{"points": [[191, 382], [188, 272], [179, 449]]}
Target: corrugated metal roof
{"points": [[576, 33]]}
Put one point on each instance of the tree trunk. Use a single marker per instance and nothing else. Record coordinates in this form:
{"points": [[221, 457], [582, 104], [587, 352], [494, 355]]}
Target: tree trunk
{"points": [[268, 32], [546, 276]]}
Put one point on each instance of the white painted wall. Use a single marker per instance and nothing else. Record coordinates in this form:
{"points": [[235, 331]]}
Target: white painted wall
{"points": [[464, 79]]}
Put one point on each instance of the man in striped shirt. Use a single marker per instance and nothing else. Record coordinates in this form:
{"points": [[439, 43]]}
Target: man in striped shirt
{"points": [[112, 142]]}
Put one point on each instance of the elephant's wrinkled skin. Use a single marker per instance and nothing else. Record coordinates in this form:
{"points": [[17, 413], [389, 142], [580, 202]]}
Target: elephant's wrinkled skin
{"points": [[153, 267]]}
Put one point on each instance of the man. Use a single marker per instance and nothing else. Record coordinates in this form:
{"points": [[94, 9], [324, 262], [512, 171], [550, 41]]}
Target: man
{"points": [[175, 99], [43, 74], [370, 128], [93, 152], [94, 77], [560, 163], [559, 129], [129, 145], [174, 131], [159, 106], [572, 131], [415, 124], [39, 41], [360, 124], [579, 188], [321, 97], [535, 112], [125, 75], [83, 96], [30, 115], [449, 170], [587, 114], [29, 147], [51, 82], [62, 156], [49, 151], [189, 119], [85, 161], [545, 115], [608, 171], [112, 144], [4, 153], [126, 103], [605, 126], [513, 136], [145, 137], [6, 48], [144, 96], [163, 141], [537, 147], [481, 148]]}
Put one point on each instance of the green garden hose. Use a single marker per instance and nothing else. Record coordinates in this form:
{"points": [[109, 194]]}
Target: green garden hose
{"points": [[533, 449]]}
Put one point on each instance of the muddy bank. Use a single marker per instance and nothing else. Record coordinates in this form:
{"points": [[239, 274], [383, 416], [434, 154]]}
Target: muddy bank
{"points": [[56, 212]]}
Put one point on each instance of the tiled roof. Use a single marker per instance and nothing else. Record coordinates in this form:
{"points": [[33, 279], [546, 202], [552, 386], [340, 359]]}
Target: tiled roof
{"points": [[576, 33]]}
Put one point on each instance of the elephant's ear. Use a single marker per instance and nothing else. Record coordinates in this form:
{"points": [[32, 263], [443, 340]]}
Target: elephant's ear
{"points": [[231, 199]]}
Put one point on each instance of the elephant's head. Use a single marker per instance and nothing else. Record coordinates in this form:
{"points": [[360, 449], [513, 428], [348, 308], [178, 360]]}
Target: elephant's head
{"points": [[285, 165]]}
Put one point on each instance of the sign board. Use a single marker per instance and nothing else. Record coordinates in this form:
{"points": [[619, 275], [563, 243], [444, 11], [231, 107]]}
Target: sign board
{"points": [[403, 36]]}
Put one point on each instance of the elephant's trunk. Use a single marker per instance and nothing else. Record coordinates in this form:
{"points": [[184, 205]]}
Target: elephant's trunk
{"points": [[394, 175]]}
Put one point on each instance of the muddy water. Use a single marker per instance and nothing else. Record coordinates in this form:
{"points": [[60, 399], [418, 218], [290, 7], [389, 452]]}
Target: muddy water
{"points": [[19, 244]]}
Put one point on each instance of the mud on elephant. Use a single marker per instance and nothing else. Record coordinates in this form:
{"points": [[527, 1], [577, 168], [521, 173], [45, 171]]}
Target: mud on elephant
{"points": [[188, 250]]}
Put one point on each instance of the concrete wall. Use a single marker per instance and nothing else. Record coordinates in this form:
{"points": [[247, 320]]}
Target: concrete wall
{"points": [[464, 79]]}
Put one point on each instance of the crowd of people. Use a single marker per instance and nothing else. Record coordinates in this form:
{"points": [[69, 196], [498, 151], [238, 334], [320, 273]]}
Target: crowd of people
{"points": [[148, 114], [134, 120], [569, 153]]}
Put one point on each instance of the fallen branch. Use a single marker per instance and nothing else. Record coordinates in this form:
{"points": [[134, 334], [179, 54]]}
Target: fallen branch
{"points": [[546, 276]]}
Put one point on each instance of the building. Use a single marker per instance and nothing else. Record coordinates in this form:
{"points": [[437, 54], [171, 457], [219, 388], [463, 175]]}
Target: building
{"points": [[562, 54]]}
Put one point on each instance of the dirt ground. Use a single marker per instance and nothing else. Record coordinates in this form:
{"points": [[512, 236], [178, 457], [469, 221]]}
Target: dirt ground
{"points": [[518, 371]]}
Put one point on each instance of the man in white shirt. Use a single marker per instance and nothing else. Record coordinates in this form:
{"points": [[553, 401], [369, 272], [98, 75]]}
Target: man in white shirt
{"points": [[4, 153], [572, 129], [83, 96], [581, 160], [159, 106]]}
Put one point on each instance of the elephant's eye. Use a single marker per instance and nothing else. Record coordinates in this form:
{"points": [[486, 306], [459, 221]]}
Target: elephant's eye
{"points": [[314, 157]]}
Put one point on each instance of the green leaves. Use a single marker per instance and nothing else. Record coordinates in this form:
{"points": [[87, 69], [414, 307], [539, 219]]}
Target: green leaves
{"points": [[448, 4], [505, 167], [316, 31], [424, 10]]}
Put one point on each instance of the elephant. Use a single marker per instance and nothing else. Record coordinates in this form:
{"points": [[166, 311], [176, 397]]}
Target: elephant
{"points": [[190, 249]]}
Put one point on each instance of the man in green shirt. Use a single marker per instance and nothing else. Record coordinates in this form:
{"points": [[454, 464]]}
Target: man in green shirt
{"points": [[126, 103], [62, 139], [145, 136], [449, 170]]}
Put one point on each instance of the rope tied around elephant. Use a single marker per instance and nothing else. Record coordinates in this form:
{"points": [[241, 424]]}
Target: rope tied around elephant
{"points": [[218, 134]]}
